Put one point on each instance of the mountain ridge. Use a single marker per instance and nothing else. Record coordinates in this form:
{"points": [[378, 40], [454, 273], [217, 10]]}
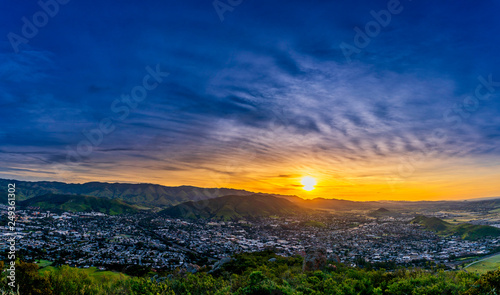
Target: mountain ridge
{"points": [[79, 203], [153, 195]]}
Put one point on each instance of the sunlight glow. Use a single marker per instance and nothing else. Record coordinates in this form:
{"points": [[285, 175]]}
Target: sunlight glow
{"points": [[308, 182]]}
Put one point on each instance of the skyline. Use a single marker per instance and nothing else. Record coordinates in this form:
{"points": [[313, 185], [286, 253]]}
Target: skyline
{"points": [[256, 96]]}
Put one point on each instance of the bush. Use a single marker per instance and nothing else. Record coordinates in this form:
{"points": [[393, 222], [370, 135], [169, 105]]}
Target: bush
{"points": [[252, 273]]}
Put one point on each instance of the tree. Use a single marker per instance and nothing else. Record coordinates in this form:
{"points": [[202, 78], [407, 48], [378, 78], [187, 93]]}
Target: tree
{"points": [[30, 282], [488, 283]]}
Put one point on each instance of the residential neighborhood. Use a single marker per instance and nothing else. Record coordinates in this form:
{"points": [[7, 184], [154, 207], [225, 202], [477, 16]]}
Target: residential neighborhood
{"points": [[158, 242]]}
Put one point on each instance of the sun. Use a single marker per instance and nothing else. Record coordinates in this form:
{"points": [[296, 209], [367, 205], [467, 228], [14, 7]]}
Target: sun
{"points": [[308, 182]]}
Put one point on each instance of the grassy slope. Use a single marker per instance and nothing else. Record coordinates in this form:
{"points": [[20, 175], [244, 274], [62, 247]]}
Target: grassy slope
{"points": [[483, 266], [44, 263], [464, 230], [92, 271]]}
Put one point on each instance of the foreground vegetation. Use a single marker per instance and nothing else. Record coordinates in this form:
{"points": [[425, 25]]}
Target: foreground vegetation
{"points": [[256, 273]]}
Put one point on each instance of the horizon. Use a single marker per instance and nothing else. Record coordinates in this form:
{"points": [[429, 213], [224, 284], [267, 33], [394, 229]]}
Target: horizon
{"points": [[361, 101]]}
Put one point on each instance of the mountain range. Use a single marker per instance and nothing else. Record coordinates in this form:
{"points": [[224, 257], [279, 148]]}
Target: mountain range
{"points": [[150, 195], [78, 203], [154, 196], [346, 205]]}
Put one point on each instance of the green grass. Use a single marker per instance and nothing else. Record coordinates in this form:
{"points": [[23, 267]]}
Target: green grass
{"points": [[140, 207], [92, 271], [468, 258], [47, 269], [314, 223], [489, 264], [44, 263]]}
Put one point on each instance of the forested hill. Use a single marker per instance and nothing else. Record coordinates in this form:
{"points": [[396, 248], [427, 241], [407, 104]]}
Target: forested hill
{"points": [[234, 207]]}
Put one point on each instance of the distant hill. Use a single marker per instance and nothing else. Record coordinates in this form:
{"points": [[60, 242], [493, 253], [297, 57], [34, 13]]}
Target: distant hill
{"points": [[382, 212], [464, 230], [78, 203], [334, 204], [400, 206], [234, 207], [152, 195]]}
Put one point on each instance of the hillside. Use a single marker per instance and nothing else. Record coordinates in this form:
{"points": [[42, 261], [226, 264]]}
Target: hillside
{"points": [[234, 207], [464, 230], [78, 203], [152, 195]]}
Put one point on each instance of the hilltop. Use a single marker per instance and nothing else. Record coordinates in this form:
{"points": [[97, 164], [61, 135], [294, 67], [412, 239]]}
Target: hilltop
{"points": [[79, 203], [234, 207], [466, 231], [382, 212]]}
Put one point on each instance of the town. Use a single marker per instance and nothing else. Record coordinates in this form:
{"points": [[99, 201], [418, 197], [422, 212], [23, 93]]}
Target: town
{"points": [[162, 243]]}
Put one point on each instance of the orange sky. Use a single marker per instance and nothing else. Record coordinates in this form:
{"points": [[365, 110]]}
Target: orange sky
{"points": [[431, 179]]}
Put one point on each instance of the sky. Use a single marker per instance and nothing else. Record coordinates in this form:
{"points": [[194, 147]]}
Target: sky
{"points": [[376, 100]]}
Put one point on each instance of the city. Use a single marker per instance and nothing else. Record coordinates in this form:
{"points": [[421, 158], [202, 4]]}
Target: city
{"points": [[162, 243]]}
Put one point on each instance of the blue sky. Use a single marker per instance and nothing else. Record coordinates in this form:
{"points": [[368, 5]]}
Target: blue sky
{"points": [[257, 100]]}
